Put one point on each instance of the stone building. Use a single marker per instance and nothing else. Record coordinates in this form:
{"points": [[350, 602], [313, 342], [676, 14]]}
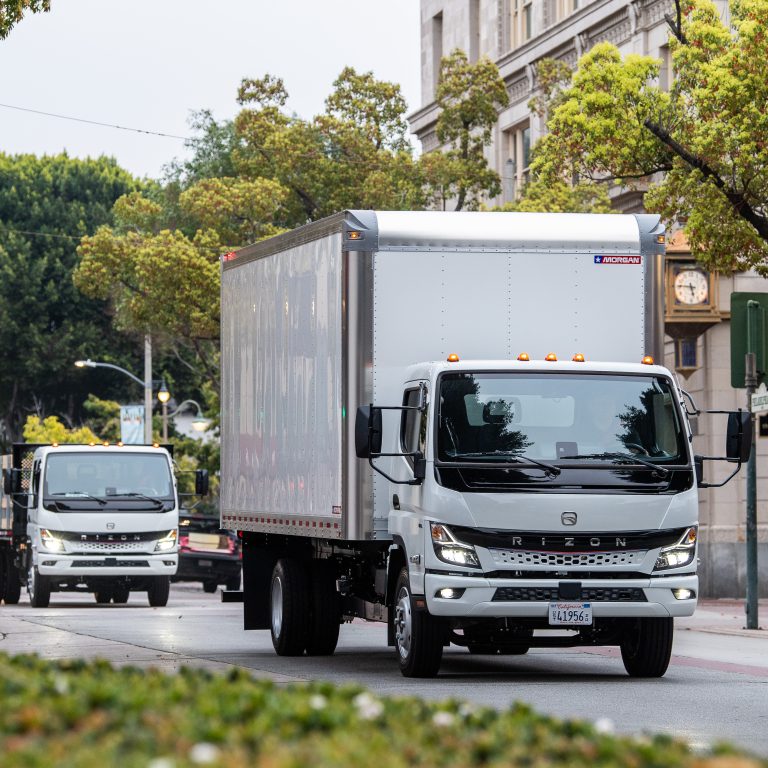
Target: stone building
{"points": [[516, 34]]}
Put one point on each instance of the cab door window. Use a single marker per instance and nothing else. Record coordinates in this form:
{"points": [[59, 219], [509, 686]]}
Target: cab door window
{"points": [[413, 425]]}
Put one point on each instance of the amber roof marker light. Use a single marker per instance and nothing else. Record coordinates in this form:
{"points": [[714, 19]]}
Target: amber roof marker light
{"points": [[524, 357], [551, 357], [453, 358], [578, 358], [647, 360]]}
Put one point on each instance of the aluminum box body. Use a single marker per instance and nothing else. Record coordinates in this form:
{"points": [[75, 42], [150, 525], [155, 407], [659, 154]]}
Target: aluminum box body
{"points": [[328, 317]]}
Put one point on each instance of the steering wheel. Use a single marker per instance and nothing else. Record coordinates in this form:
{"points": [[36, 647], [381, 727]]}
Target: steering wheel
{"points": [[636, 448]]}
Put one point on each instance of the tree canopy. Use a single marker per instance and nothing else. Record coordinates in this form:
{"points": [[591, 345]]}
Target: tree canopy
{"points": [[46, 205], [12, 11], [699, 147]]}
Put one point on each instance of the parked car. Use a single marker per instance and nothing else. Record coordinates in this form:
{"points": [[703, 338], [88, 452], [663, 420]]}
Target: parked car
{"points": [[208, 553]]}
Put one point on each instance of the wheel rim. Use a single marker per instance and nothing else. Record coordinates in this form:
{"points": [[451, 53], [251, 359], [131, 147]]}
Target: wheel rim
{"points": [[31, 582], [277, 606], [403, 623]]}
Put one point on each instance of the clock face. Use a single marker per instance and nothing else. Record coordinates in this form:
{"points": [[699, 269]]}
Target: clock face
{"points": [[691, 287]]}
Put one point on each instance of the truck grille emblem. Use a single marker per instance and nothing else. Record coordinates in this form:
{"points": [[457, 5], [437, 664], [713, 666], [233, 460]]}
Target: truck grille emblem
{"points": [[110, 526], [568, 518]]}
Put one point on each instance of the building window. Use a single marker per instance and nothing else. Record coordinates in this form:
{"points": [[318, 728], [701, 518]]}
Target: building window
{"points": [[520, 26], [474, 30], [517, 155], [686, 355], [437, 47]]}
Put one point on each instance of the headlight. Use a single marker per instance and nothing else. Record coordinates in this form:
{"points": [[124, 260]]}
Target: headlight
{"points": [[450, 550], [168, 542], [679, 554], [51, 540]]}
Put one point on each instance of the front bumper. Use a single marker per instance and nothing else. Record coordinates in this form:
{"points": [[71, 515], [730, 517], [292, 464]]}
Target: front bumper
{"points": [[115, 564], [477, 599]]}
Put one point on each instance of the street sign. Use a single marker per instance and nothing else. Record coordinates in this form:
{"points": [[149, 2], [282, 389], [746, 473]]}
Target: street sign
{"points": [[749, 333], [760, 403]]}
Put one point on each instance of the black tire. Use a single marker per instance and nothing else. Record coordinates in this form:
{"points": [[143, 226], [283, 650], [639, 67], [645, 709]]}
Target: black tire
{"points": [[289, 607], [38, 588], [324, 610], [103, 596], [233, 584], [10, 584], [209, 587], [120, 594], [419, 637], [646, 646], [159, 590]]}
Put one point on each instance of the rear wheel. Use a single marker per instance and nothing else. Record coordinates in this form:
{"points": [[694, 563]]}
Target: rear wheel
{"points": [[418, 635], [12, 591], [289, 607], [233, 583], [324, 610], [159, 590], [120, 594], [209, 587], [103, 596], [38, 588], [646, 646]]}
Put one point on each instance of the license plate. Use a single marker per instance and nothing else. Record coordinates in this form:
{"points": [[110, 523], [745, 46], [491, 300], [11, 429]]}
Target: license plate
{"points": [[205, 563], [570, 614]]}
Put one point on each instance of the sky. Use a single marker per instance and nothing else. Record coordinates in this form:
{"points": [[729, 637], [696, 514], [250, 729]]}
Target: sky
{"points": [[148, 64]]}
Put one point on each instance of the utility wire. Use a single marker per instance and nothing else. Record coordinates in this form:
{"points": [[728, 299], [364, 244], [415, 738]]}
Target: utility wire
{"points": [[94, 122]]}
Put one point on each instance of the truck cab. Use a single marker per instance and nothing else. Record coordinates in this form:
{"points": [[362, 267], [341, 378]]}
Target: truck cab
{"points": [[539, 495], [96, 518]]}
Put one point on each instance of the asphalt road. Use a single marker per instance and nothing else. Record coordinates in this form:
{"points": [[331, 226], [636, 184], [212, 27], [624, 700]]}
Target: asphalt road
{"points": [[716, 688]]}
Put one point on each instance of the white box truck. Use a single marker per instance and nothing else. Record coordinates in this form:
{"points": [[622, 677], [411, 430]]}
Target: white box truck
{"points": [[90, 518], [419, 427]]}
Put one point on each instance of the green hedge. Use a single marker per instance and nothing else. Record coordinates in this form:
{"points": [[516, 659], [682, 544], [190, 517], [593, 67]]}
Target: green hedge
{"points": [[91, 715]]}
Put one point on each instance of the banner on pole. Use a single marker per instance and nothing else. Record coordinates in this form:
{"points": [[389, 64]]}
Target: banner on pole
{"points": [[132, 424]]}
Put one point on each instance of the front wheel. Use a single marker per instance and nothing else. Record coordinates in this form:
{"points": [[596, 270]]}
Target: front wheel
{"points": [[646, 646], [418, 635], [38, 588], [159, 590], [11, 590]]}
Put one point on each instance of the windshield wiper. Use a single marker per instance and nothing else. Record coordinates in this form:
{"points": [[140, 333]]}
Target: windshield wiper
{"points": [[158, 502], [621, 458], [550, 469], [81, 494]]}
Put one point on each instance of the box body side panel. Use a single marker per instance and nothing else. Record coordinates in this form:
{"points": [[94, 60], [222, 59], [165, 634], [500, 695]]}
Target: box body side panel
{"points": [[282, 389]]}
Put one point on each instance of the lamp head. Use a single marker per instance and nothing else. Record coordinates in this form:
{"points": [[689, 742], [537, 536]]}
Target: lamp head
{"points": [[163, 395], [84, 364]]}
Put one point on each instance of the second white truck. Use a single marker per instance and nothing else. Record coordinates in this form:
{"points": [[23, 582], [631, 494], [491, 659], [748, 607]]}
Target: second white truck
{"points": [[90, 518], [453, 422]]}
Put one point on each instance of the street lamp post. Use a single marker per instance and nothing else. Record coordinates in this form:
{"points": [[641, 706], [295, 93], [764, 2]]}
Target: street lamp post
{"points": [[199, 423], [147, 383]]}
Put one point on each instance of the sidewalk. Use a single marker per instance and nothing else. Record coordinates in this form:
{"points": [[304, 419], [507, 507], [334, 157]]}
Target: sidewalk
{"points": [[725, 617]]}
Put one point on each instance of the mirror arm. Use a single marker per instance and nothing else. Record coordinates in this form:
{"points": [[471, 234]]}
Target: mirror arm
{"points": [[695, 411], [727, 479], [414, 481]]}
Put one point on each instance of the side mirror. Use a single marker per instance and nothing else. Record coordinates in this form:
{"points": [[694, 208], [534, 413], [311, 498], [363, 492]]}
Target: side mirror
{"points": [[201, 482], [367, 431], [738, 439], [12, 481]]}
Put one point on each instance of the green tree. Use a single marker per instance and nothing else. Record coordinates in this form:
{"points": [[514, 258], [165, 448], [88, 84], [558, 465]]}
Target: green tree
{"points": [[705, 138], [46, 205], [470, 97], [11, 12], [51, 430]]}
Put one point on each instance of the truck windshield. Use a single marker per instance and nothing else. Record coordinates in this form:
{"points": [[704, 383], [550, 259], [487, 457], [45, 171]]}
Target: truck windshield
{"points": [[115, 478], [488, 417]]}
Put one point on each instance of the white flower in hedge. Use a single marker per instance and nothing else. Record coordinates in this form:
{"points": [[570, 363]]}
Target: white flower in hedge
{"points": [[162, 762], [203, 753], [604, 725], [467, 709], [443, 719], [318, 701], [61, 685], [368, 707]]}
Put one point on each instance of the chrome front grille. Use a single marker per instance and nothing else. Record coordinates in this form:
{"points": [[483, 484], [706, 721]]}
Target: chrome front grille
{"points": [[74, 547], [570, 559]]}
